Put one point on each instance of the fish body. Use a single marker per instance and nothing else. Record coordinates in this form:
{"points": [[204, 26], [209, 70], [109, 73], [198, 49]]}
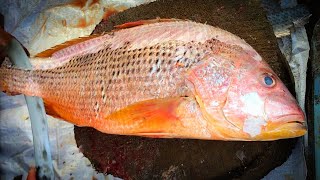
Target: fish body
{"points": [[169, 80]]}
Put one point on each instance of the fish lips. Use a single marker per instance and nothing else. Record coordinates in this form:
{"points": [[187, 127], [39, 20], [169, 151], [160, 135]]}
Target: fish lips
{"points": [[288, 126]]}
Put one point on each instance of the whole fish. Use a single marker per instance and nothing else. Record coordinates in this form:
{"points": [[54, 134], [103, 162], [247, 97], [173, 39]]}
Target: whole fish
{"points": [[176, 79]]}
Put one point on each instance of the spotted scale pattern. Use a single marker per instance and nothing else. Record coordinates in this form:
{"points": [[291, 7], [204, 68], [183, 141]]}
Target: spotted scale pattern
{"points": [[89, 87], [92, 86]]}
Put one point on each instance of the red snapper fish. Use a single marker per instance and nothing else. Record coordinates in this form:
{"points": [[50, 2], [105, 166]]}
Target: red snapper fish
{"points": [[176, 79]]}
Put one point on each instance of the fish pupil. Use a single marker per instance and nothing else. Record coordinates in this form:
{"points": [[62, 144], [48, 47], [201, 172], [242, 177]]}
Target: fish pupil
{"points": [[268, 80]]}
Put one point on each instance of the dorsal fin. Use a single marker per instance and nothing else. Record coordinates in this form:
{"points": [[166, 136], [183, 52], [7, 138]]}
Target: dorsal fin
{"points": [[54, 49], [143, 22], [51, 51]]}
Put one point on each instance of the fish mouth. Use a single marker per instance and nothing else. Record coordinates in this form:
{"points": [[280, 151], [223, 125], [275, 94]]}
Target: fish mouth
{"points": [[288, 126], [287, 119]]}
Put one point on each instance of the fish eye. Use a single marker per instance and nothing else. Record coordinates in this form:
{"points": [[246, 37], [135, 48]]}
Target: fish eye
{"points": [[268, 80]]}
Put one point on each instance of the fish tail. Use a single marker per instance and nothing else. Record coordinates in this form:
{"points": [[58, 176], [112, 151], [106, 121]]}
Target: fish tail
{"points": [[15, 81]]}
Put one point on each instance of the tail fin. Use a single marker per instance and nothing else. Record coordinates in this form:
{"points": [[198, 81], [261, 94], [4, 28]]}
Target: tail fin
{"points": [[14, 81]]}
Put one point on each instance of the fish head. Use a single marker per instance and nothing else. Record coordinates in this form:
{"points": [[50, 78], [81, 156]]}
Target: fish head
{"points": [[245, 100]]}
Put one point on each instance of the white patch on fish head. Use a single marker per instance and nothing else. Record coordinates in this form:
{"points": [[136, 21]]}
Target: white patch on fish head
{"points": [[252, 104], [253, 125]]}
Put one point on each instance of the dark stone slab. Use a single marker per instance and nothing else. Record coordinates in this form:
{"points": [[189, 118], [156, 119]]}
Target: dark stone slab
{"points": [[144, 158]]}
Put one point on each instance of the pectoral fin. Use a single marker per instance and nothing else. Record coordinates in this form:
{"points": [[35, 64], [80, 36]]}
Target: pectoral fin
{"points": [[155, 118]]}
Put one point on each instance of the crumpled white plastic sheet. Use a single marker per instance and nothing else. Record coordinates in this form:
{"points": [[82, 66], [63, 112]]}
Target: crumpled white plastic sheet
{"points": [[41, 24], [16, 146]]}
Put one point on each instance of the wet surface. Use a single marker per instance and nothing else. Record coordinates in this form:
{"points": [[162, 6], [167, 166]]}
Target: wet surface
{"points": [[143, 158]]}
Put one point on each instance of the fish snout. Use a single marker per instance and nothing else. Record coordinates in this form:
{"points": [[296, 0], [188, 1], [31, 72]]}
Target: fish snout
{"points": [[285, 119], [283, 108]]}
